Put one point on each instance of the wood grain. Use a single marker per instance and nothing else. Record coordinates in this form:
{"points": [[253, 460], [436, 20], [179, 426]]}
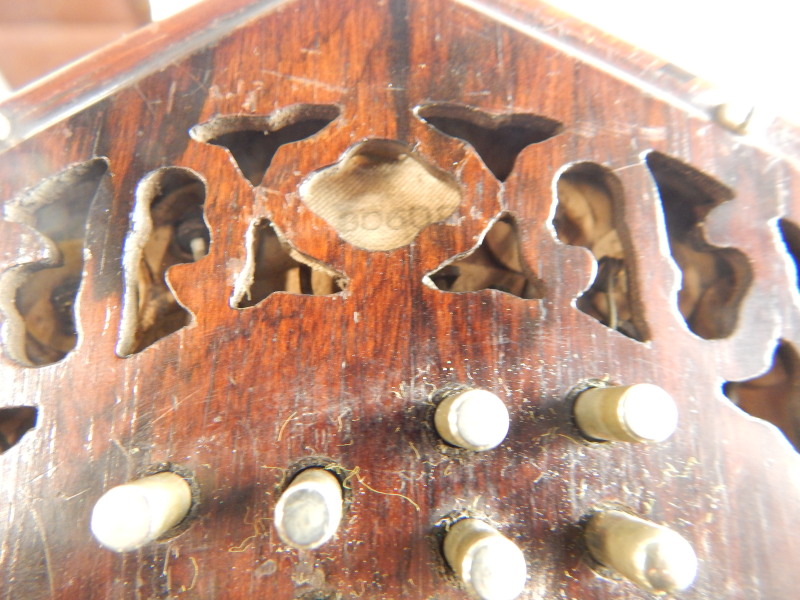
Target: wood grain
{"points": [[240, 397]]}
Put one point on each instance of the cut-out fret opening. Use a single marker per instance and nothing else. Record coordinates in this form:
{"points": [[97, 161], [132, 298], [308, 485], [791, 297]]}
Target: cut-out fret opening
{"points": [[590, 213], [168, 229], [15, 422], [498, 139], [39, 299], [790, 233], [380, 195], [713, 280], [496, 263], [775, 395], [272, 265], [253, 140]]}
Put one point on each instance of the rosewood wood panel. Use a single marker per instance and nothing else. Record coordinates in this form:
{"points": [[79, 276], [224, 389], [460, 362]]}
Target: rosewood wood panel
{"points": [[241, 397]]}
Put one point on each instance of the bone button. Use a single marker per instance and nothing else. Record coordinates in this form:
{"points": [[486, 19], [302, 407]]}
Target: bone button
{"points": [[491, 566], [310, 510], [652, 556], [131, 515], [632, 413], [472, 419]]}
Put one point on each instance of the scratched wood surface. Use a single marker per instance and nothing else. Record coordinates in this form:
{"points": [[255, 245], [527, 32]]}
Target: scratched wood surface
{"points": [[239, 397]]}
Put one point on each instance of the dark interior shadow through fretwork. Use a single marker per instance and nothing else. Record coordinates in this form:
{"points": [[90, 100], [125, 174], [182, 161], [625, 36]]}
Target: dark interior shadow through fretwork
{"points": [[496, 263], [590, 213], [253, 140], [498, 139], [273, 265], [39, 299], [775, 395], [713, 280], [168, 229], [15, 421], [790, 233]]}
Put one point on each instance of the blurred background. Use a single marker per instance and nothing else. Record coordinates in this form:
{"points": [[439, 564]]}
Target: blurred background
{"points": [[748, 50], [39, 36]]}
